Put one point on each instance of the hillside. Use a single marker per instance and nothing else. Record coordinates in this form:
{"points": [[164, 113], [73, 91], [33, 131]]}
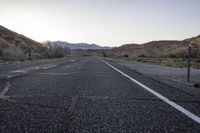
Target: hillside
{"points": [[194, 40], [159, 48], [14, 46]]}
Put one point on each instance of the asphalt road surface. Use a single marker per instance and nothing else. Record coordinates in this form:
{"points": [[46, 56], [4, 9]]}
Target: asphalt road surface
{"points": [[89, 95]]}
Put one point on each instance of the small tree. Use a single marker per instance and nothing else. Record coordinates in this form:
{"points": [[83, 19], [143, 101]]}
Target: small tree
{"points": [[55, 51]]}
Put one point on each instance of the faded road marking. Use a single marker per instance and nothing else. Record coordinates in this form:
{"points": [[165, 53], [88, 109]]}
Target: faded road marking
{"points": [[8, 76], [19, 71], [26, 69], [49, 67], [54, 73], [168, 101], [5, 90], [58, 73], [72, 60]]}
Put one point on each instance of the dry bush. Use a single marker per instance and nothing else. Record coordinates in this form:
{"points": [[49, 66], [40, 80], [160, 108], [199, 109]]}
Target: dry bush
{"points": [[197, 85], [104, 54], [126, 55], [13, 54], [55, 51], [142, 56]]}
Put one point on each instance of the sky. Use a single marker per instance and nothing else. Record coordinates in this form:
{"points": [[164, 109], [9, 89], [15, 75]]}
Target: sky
{"points": [[104, 22]]}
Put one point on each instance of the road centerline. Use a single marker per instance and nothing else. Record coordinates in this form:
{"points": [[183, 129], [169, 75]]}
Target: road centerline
{"points": [[166, 100]]}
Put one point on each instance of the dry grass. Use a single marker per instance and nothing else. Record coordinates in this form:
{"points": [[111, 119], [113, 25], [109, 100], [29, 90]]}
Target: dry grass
{"points": [[171, 62]]}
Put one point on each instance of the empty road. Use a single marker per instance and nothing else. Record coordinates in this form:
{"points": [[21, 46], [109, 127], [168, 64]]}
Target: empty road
{"points": [[91, 95]]}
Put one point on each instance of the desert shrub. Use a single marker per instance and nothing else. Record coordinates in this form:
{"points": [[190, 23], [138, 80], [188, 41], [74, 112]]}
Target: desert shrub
{"points": [[197, 85], [139, 60], [41, 51], [168, 62], [126, 55], [55, 51], [172, 56], [85, 55], [104, 54], [198, 61], [13, 54], [142, 56]]}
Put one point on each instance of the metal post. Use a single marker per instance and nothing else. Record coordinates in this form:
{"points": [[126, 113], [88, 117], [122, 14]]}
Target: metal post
{"points": [[189, 62]]}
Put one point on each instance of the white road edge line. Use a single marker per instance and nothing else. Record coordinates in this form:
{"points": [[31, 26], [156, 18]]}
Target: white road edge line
{"points": [[168, 101], [49, 67]]}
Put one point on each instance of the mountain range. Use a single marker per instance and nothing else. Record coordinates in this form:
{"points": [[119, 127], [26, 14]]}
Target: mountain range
{"points": [[75, 46]]}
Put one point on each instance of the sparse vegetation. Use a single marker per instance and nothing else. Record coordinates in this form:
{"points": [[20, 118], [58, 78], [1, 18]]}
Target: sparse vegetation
{"points": [[142, 56], [166, 53], [13, 54], [197, 85], [168, 62], [104, 54], [171, 62], [126, 55], [55, 51]]}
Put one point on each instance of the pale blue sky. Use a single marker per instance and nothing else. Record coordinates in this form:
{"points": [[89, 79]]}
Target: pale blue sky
{"points": [[105, 22]]}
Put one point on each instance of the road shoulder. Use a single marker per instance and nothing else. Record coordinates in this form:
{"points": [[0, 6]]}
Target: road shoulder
{"points": [[174, 77]]}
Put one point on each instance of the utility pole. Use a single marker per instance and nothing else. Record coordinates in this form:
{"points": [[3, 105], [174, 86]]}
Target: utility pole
{"points": [[189, 62]]}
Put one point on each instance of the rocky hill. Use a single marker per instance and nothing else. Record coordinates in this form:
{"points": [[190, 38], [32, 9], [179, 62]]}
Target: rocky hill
{"points": [[14, 46], [159, 49]]}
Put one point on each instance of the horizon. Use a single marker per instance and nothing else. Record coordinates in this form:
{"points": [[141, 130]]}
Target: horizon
{"points": [[106, 23]]}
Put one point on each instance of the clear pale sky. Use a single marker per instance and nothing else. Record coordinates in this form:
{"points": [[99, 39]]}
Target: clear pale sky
{"points": [[105, 22]]}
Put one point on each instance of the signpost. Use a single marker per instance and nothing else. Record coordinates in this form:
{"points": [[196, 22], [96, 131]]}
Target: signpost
{"points": [[189, 62]]}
